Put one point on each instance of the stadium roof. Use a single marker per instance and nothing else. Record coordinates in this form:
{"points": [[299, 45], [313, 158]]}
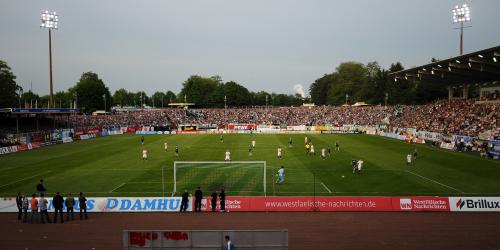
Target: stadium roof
{"points": [[473, 68]]}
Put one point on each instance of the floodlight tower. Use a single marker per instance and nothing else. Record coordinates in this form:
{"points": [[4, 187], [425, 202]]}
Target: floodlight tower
{"points": [[50, 19], [461, 14]]}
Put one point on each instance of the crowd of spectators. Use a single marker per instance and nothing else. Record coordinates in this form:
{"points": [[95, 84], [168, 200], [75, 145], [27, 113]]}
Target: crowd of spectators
{"points": [[459, 116]]}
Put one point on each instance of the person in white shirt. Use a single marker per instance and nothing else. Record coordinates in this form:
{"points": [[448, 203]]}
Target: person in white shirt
{"points": [[144, 154], [323, 153], [253, 143], [281, 175], [280, 153], [228, 156], [165, 145], [408, 160], [360, 165], [228, 245], [312, 150]]}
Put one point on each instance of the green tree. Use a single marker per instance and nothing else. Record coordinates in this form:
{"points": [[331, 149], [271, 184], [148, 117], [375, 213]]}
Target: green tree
{"points": [[236, 94], [9, 90], [92, 93], [120, 97], [319, 89], [63, 99], [31, 98], [159, 99], [203, 91], [169, 97]]}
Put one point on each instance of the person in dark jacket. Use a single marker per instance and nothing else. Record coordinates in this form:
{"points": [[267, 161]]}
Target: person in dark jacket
{"points": [[198, 196], [40, 187], [58, 203], [184, 201], [70, 204], [214, 201], [19, 203], [82, 203], [222, 197]]}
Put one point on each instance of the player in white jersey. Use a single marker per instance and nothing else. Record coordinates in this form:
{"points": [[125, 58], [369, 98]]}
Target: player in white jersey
{"points": [[408, 159], [165, 145], [360, 165], [144, 154], [306, 140], [323, 153], [312, 150], [280, 153], [228, 156], [253, 143]]}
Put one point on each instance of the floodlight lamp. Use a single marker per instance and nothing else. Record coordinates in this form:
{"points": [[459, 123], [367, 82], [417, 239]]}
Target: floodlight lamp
{"points": [[461, 13], [49, 20]]}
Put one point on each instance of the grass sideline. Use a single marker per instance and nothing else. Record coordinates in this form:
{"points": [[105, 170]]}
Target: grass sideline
{"points": [[112, 166]]}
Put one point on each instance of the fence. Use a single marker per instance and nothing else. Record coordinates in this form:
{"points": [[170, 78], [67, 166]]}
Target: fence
{"points": [[205, 239]]}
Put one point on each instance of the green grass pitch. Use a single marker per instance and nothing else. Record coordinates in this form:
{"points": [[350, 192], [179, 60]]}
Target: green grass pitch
{"points": [[112, 166]]}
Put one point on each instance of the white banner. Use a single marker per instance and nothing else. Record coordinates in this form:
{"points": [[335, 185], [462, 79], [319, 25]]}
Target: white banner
{"points": [[474, 204], [114, 204]]}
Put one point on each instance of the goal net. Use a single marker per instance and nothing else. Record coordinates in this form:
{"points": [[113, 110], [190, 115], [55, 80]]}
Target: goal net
{"points": [[236, 177]]}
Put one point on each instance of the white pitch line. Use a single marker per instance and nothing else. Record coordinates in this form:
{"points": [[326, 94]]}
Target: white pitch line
{"points": [[437, 182], [10, 183], [119, 186], [327, 189]]}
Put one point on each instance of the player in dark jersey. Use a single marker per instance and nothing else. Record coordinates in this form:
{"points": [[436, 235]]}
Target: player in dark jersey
{"points": [[142, 140], [354, 164], [290, 142], [250, 150], [329, 150], [337, 146], [221, 138], [176, 150]]}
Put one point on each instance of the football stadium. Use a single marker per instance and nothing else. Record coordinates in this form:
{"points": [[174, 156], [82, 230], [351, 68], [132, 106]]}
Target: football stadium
{"points": [[376, 145]]}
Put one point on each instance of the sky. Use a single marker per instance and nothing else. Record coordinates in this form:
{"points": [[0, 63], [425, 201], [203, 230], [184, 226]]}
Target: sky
{"points": [[270, 45]]}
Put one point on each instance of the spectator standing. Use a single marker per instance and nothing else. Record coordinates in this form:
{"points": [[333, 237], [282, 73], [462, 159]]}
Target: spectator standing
{"points": [[58, 203], [41, 188], [70, 204], [19, 203], [43, 203], [198, 196], [82, 203], [184, 201], [222, 197], [214, 201], [26, 205], [34, 208]]}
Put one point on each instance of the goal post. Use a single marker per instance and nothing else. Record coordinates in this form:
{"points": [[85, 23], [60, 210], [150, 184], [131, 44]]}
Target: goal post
{"points": [[236, 177]]}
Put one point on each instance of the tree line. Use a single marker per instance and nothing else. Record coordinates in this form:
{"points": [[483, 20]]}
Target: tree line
{"points": [[353, 82], [350, 82]]}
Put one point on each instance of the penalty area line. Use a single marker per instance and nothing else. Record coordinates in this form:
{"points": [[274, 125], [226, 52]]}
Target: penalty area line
{"points": [[327, 189], [117, 187], [431, 180]]}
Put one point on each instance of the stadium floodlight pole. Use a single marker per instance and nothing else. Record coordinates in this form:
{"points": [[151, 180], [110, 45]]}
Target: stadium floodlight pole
{"points": [[461, 14], [50, 19]]}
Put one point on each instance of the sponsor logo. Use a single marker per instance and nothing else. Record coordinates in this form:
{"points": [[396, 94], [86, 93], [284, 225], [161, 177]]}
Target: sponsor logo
{"points": [[460, 204], [479, 203], [405, 204]]}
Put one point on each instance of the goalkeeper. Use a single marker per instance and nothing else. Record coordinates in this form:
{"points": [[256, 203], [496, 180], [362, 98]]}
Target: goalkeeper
{"points": [[281, 175]]}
